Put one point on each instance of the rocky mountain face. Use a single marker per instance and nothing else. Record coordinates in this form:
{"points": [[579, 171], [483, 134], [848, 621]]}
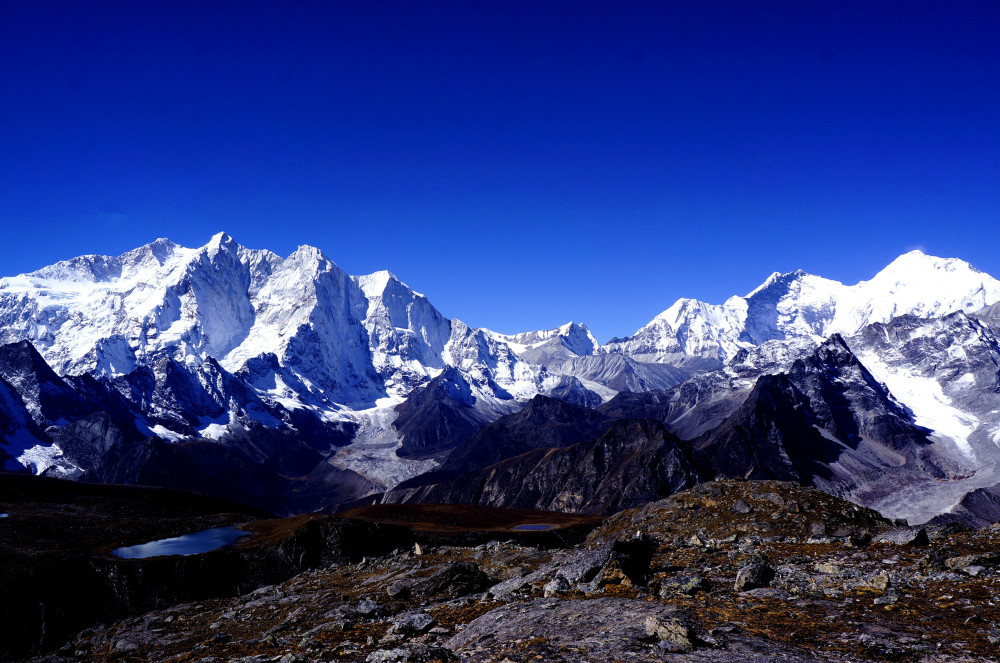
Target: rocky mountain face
{"points": [[291, 385], [634, 462]]}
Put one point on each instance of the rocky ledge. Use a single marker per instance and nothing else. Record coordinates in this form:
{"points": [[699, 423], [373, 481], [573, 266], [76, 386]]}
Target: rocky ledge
{"points": [[727, 571]]}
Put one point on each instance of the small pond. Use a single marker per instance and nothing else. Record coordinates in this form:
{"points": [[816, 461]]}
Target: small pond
{"points": [[4, 515], [188, 544], [533, 527]]}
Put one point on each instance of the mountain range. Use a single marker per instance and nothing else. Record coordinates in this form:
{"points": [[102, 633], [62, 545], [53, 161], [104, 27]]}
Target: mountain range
{"points": [[291, 385]]}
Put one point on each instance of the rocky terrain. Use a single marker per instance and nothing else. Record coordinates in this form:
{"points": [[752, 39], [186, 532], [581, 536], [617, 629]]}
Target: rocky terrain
{"points": [[725, 571]]}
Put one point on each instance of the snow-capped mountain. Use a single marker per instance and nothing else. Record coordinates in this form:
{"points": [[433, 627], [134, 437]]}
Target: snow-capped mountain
{"points": [[290, 384], [801, 305], [340, 341], [214, 341]]}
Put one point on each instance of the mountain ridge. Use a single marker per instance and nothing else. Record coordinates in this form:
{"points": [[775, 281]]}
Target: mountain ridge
{"points": [[228, 353]]}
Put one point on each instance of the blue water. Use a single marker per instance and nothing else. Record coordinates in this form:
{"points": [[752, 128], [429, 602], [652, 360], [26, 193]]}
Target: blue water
{"points": [[4, 515], [188, 544], [534, 526]]}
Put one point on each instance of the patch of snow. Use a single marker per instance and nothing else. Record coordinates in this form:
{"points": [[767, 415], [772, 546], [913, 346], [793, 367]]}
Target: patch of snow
{"points": [[165, 433], [40, 458], [927, 401], [213, 431]]}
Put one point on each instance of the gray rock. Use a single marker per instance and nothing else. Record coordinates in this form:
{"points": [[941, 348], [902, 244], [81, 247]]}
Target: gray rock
{"points": [[890, 597], [880, 581], [388, 656], [583, 565], [672, 634], [768, 593], [367, 607], [607, 628], [509, 588], [904, 536], [400, 589], [412, 623], [556, 585], [757, 572], [740, 507], [973, 565], [773, 498], [684, 584]]}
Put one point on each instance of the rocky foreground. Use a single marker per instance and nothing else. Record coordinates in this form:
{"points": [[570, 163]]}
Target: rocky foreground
{"points": [[727, 571]]}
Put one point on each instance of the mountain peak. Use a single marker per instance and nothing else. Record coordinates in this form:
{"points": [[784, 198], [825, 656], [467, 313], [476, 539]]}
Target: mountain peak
{"points": [[929, 278], [778, 278], [374, 284], [916, 263], [220, 238]]}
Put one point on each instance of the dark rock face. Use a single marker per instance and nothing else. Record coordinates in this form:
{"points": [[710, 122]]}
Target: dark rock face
{"points": [[16, 427], [282, 482], [543, 423], [757, 572], [47, 395], [436, 418], [851, 404], [102, 431], [689, 409], [768, 438], [634, 462], [978, 508], [826, 422]]}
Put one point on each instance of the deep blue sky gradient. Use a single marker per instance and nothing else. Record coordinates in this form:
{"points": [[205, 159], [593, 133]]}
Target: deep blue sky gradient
{"points": [[522, 163]]}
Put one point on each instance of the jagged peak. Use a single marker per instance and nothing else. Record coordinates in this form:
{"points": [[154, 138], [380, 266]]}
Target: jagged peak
{"points": [[219, 241], [682, 306], [376, 283], [305, 254], [781, 279]]}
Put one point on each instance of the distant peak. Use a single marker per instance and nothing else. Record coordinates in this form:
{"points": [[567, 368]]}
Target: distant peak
{"points": [[916, 261], [219, 240], [306, 252], [570, 326], [779, 279], [374, 284]]}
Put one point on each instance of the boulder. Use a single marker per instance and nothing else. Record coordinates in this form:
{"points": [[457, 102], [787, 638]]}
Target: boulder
{"points": [[757, 572]]}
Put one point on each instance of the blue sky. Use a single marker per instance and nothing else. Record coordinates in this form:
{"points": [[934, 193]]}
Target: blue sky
{"points": [[521, 163]]}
